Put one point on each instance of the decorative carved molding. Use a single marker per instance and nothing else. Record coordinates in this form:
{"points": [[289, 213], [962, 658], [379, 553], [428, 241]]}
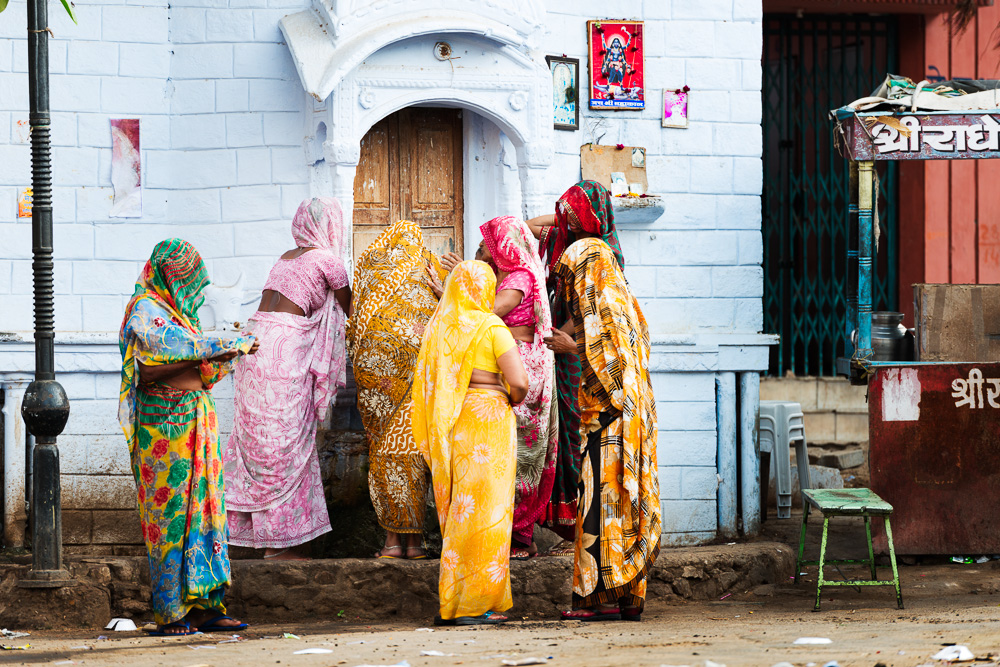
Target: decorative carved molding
{"points": [[517, 100], [367, 98]]}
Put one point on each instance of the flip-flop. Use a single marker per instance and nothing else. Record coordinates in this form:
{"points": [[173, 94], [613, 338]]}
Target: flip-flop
{"points": [[483, 619], [631, 615], [158, 632], [564, 548], [210, 625], [522, 554], [379, 554], [443, 621], [593, 615], [422, 556]]}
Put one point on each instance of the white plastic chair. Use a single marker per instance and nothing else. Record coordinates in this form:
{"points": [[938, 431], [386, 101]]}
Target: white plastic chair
{"points": [[781, 424]]}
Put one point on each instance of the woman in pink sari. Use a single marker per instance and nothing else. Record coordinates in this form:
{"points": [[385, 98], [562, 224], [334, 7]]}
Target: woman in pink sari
{"points": [[274, 492], [522, 304]]}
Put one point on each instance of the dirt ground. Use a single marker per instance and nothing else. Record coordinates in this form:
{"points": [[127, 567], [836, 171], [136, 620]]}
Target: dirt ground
{"points": [[945, 603]]}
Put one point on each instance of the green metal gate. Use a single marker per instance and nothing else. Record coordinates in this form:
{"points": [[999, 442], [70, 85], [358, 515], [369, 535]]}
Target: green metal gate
{"points": [[811, 65]]}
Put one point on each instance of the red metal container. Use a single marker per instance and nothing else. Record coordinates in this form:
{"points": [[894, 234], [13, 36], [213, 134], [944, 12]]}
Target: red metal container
{"points": [[934, 452]]}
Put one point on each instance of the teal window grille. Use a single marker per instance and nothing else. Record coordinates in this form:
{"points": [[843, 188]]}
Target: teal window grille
{"points": [[811, 65]]}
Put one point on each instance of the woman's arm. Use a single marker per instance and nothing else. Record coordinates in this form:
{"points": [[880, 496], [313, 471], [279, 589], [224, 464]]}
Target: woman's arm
{"points": [[164, 372], [536, 225], [506, 301], [561, 342], [343, 296], [514, 374]]}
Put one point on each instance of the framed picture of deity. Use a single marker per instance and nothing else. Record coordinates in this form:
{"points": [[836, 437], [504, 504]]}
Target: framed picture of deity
{"points": [[615, 51], [565, 92]]}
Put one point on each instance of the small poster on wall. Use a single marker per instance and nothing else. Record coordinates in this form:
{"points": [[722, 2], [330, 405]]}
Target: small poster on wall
{"points": [[675, 107], [565, 92], [616, 65], [125, 169]]}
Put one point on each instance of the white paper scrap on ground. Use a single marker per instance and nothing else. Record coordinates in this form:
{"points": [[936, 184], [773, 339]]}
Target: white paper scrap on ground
{"points": [[956, 653], [313, 651], [121, 625], [812, 641], [10, 634], [436, 654], [425, 630], [517, 662]]}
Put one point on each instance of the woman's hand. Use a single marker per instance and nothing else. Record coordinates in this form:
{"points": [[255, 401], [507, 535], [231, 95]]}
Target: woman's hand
{"points": [[560, 342], [450, 260], [254, 348], [228, 355], [434, 283]]}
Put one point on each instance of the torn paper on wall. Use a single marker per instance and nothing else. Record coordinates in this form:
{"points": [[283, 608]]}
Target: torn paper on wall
{"points": [[125, 168]]}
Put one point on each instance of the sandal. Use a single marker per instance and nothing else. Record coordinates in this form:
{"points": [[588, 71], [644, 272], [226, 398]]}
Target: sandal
{"points": [[421, 556], [591, 615], [159, 631], [443, 621], [631, 614], [489, 618], [521, 554], [381, 553], [211, 625], [564, 548]]}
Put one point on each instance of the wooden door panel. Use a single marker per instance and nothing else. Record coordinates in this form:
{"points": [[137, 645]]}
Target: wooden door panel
{"points": [[374, 200], [411, 169]]}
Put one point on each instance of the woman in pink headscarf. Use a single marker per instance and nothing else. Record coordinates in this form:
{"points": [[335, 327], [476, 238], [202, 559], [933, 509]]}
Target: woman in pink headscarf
{"points": [[522, 304], [274, 493]]}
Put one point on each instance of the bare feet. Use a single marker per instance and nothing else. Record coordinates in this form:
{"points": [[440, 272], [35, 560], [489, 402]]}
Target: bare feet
{"points": [[394, 551], [285, 554]]}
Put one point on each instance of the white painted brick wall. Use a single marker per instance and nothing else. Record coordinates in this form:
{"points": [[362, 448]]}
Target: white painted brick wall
{"points": [[224, 166]]}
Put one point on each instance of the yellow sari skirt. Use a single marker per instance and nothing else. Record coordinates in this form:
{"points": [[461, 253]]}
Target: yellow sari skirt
{"points": [[477, 510]]}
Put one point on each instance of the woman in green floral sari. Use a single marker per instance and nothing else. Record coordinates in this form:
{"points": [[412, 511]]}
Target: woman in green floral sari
{"points": [[168, 415]]}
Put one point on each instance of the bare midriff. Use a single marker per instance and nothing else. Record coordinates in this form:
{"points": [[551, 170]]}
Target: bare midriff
{"points": [[485, 380], [187, 380], [525, 334], [276, 302]]}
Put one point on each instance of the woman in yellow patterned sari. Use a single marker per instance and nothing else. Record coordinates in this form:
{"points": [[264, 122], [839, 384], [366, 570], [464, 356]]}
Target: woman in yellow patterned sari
{"points": [[468, 376], [392, 305], [168, 415], [618, 516]]}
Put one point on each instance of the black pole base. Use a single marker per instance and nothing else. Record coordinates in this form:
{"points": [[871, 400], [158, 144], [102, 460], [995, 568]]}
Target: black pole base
{"points": [[47, 579]]}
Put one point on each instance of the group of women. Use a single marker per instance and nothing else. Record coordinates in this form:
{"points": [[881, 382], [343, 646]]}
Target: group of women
{"points": [[516, 385]]}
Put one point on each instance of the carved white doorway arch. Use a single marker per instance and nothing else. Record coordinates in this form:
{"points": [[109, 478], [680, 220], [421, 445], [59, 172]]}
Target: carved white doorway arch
{"points": [[486, 70]]}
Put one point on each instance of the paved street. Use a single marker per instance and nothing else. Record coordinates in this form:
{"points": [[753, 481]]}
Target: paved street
{"points": [[945, 603]]}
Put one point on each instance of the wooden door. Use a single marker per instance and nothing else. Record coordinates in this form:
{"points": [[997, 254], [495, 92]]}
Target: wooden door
{"points": [[411, 169]]}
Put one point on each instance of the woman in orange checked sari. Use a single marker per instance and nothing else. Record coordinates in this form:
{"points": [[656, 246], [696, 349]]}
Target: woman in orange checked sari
{"points": [[468, 377], [618, 516]]}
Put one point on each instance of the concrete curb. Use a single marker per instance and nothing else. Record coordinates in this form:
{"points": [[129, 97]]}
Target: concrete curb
{"points": [[370, 589]]}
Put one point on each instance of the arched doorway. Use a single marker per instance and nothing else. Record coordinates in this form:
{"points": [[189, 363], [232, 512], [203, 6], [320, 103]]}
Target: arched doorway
{"points": [[411, 169]]}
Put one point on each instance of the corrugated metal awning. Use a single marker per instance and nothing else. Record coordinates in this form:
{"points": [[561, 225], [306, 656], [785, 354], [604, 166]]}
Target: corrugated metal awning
{"points": [[866, 6]]}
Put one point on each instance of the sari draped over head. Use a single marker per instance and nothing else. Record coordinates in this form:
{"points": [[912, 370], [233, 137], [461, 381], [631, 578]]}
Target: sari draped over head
{"points": [[619, 521], [392, 305], [515, 250], [273, 480], [588, 204], [172, 434], [468, 438]]}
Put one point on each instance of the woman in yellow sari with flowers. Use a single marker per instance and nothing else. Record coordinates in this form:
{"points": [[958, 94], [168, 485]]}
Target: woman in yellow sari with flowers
{"points": [[618, 514], [392, 305], [168, 415], [469, 375]]}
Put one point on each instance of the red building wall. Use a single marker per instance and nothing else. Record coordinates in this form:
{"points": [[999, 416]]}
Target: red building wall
{"points": [[949, 210]]}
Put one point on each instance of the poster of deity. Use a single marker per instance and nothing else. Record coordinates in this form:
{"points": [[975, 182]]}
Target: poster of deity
{"points": [[616, 65], [565, 92]]}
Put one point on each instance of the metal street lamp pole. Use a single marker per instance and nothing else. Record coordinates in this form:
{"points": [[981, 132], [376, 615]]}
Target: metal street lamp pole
{"points": [[45, 408]]}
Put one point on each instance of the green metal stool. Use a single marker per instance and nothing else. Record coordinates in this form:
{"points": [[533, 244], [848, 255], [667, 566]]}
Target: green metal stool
{"points": [[846, 502]]}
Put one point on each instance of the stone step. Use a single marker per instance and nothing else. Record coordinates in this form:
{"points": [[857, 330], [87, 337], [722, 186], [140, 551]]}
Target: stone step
{"points": [[840, 459], [269, 591]]}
